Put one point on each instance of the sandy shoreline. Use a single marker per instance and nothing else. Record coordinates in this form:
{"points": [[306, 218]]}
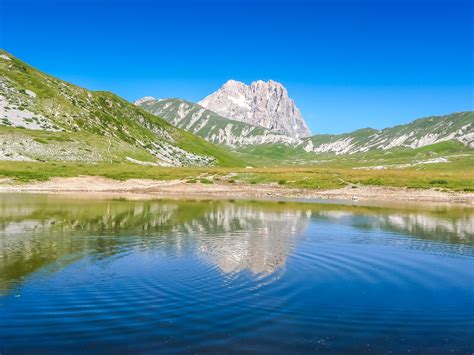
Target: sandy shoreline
{"points": [[142, 188]]}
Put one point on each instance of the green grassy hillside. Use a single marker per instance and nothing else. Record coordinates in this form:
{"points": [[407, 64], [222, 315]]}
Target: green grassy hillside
{"points": [[86, 125]]}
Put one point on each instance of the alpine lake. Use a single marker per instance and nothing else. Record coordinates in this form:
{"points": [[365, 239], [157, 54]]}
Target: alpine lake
{"points": [[80, 274]]}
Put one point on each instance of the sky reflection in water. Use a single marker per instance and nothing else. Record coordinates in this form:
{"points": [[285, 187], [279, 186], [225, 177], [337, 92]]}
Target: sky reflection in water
{"points": [[213, 276]]}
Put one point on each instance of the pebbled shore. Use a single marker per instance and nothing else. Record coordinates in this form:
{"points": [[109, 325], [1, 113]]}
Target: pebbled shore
{"points": [[143, 188]]}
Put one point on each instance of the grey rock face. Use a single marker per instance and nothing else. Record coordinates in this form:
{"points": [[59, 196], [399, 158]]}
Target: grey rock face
{"points": [[264, 104]]}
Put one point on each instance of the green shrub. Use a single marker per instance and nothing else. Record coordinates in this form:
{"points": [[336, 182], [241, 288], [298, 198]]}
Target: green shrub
{"points": [[439, 182], [374, 181]]}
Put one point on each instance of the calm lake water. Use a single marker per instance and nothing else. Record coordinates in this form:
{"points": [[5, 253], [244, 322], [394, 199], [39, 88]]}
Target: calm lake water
{"points": [[114, 276]]}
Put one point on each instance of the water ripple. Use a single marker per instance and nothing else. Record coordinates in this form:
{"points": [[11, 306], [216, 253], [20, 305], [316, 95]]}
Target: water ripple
{"points": [[244, 278]]}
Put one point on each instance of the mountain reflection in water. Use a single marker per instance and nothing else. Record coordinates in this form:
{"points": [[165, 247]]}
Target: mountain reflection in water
{"points": [[206, 276], [36, 231], [255, 236]]}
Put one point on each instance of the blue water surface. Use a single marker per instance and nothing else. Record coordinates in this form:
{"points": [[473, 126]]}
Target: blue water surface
{"points": [[114, 276]]}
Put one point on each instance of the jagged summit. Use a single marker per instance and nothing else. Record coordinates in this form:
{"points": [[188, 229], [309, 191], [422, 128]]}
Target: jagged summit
{"points": [[261, 103]]}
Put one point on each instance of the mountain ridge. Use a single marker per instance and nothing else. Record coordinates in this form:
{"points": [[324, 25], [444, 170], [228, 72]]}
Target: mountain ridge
{"points": [[415, 134], [418, 133], [209, 125]]}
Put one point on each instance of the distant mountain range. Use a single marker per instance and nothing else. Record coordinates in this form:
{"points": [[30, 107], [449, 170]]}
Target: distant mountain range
{"points": [[219, 130], [419, 133]]}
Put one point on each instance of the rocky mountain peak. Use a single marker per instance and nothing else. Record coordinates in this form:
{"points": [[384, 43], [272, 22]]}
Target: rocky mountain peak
{"points": [[261, 103]]}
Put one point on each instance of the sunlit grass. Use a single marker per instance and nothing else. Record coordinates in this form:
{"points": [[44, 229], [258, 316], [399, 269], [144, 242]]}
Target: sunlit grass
{"points": [[448, 176]]}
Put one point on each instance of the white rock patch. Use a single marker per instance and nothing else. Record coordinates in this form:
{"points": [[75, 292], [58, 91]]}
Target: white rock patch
{"points": [[30, 93], [139, 162], [340, 146], [144, 100], [11, 115]]}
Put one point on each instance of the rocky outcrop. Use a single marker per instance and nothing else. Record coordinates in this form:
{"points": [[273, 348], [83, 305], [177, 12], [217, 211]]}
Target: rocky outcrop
{"points": [[264, 104]]}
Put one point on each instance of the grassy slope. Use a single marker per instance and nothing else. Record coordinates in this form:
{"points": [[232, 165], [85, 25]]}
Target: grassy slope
{"points": [[103, 114], [439, 125], [361, 135], [280, 154], [214, 124], [60, 146], [434, 125]]}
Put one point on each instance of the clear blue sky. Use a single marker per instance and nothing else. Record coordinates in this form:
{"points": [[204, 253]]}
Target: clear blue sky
{"points": [[348, 64]]}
